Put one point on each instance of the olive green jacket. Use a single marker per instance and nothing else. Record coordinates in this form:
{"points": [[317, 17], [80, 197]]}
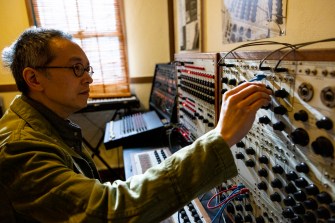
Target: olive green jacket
{"points": [[41, 177]]}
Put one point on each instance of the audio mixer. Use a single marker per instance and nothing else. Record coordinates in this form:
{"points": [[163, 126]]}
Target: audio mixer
{"points": [[286, 161]]}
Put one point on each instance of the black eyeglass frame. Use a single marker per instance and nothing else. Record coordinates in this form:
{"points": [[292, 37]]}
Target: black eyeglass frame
{"points": [[89, 69]]}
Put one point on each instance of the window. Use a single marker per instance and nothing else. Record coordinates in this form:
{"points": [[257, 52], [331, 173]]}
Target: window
{"points": [[97, 27]]}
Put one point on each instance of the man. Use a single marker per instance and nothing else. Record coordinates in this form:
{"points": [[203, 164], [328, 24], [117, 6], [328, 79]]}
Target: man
{"points": [[46, 174]]}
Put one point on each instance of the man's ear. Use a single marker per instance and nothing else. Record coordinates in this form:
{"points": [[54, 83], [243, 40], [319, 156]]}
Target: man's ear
{"points": [[30, 75]]}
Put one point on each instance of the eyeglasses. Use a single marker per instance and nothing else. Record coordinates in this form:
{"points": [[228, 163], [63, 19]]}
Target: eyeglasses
{"points": [[78, 69]]}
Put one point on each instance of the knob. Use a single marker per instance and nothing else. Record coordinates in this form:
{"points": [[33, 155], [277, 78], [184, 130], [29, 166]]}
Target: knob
{"points": [[323, 213], [332, 206], [297, 219], [248, 218], [298, 208], [310, 203], [302, 168], [324, 198], [239, 207], [250, 151], [300, 137], [262, 186], [263, 159], [301, 116], [324, 123], [238, 218], [239, 156], [290, 188], [301, 182], [248, 207], [260, 219], [291, 175], [280, 126], [278, 169], [309, 217], [230, 208], [264, 120], [232, 81], [312, 189], [276, 183], [240, 144], [282, 93], [224, 80], [299, 195], [280, 110], [263, 172], [250, 163], [288, 213], [289, 201], [323, 146], [275, 197]]}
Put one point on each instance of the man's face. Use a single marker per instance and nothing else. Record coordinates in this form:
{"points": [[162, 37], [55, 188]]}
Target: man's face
{"points": [[63, 91]]}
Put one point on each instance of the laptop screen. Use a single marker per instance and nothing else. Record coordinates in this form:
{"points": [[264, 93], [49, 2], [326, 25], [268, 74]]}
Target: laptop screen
{"points": [[164, 92]]}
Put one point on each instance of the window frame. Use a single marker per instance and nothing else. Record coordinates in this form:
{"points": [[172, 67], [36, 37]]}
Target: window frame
{"points": [[115, 93]]}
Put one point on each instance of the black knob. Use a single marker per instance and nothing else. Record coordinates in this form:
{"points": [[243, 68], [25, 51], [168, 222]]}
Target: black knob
{"points": [[301, 116], [297, 219], [309, 217], [240, 144], [239, 156], [280, 110], [238, 218], [312, 189], [301, 182], [248, 207], [332, 206], [324, 123], [275, 197], [288, 213], [276, 183], [232, 81], [264, 120], [310, 203], [331, 220], [239, 207], [262, 186], [248, 218], [263, 172], [300, 137], [230, 208], [278, 169], [299, 196], [260, 219], [263, 159], [289, 201], [224, 80], [298, 208], [291, 175], [279, 126], [282, 93], [302, 168], [250, 151], [250, 163], [323, 146], [290, 188], [323, 213], [324, 198]]}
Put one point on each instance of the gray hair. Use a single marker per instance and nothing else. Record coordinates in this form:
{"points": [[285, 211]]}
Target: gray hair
{"points": [[31, 49]]}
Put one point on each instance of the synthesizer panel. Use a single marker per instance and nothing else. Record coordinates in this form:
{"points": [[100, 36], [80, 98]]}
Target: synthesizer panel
{"points": [[287, 159], [197, 94]]}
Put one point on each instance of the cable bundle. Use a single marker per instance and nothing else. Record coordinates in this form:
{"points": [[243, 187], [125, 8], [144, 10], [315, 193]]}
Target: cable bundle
{"points": [[238, 192]]}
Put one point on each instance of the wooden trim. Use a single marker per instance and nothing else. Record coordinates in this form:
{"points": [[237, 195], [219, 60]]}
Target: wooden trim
{"points": [[171, 29], [133, 80], [141, 80], [8, 88]]}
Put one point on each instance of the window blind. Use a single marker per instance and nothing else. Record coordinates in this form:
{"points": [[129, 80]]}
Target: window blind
{"points": [[97, 26]]}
